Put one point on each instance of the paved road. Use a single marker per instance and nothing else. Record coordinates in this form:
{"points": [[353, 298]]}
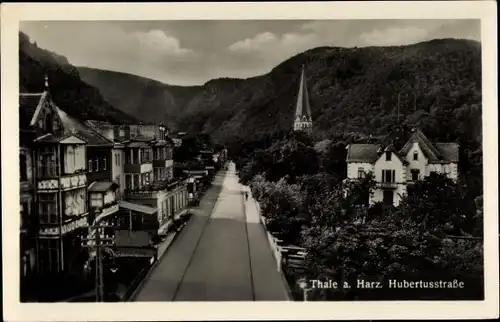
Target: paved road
{"points": [[221, 255]]}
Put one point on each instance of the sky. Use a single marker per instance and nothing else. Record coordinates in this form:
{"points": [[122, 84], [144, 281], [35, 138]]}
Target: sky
{"points": [[193, 52]]}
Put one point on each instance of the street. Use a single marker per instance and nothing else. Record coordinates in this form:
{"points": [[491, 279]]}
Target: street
{"points": [[221, 255]]}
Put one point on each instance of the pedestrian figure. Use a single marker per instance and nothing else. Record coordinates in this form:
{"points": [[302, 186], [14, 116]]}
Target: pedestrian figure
{"points": [[246, 195]]}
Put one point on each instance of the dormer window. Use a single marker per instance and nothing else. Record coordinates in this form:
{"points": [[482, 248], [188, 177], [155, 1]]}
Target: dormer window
{"points": [[415, 155], [388, 156], [48, 124]]}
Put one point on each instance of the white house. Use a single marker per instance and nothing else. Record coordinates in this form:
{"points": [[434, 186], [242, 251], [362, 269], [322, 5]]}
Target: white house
{"points": [[394, 170]]}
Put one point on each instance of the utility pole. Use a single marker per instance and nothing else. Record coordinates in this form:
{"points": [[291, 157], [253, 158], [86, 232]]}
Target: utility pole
{"points": [[98, 242]]}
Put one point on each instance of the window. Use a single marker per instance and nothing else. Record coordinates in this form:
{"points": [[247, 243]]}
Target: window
{"points": [[128, 181], [361, 173], [48, 123], [96, 164], [90, 165], [75, 202], [25, 214], [136, 181], [388, 198], [388, 156], [415, 173], [104, 163], [47, 162], [49, 255], [415, 155], [47, 206], [23, 166], [96, 200], [122, 132], [74, 156], [388, 175]]}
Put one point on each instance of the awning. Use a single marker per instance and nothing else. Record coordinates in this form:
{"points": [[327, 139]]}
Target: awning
{"points": [[136, 207], [137, 145], [101, 186]]}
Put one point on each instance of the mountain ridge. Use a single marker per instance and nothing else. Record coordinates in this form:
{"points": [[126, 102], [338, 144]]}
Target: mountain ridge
{"points": [[69, 92], [351, 90]]}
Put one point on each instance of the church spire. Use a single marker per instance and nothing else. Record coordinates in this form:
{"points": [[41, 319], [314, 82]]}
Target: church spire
{"points": [[303, 117], [303, 108]]}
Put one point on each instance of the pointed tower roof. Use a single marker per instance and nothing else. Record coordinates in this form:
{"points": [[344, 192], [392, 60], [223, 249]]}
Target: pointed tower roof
{"points": [[303, 108]]}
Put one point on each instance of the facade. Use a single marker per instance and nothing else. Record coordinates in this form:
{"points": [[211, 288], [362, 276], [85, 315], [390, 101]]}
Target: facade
{"points": [[28, 220], [395, 169], [69, 173], [59, 186], [303, 116]]}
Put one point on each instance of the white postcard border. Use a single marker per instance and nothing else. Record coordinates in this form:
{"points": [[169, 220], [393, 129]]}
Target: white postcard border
{"points": [[11, 14]]}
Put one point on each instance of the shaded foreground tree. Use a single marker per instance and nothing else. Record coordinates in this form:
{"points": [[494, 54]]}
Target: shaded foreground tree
{"points": [[408, 243]]}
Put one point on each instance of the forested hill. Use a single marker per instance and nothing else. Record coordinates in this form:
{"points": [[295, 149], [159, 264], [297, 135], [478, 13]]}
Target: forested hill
{"points": [[437, 84], [70, 93], [145, 98]]}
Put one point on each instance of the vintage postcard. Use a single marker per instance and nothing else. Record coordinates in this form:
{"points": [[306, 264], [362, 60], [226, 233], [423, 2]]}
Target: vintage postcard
{"points": [[292, 161]]}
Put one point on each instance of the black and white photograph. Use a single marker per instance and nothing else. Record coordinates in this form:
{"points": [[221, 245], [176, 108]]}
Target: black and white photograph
{"points": [[232, 160]]}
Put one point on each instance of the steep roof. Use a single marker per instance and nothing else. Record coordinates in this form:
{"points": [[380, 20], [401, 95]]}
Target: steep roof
{"points": [[427, 147], [28, 104], [362, 153], [449, 151], [82, 131], [436, 153], [303, 108]]}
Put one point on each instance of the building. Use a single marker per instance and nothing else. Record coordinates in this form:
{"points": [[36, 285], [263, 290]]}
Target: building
{"points": [[303, 117], [69, 173], [394, 169], [28, 222], [59, 181]]}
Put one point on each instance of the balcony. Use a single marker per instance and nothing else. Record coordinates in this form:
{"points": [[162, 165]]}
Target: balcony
{"points": [[163, 163], [69, 181], [67, 227], [387, 185], [138, 168], [151, 191]]}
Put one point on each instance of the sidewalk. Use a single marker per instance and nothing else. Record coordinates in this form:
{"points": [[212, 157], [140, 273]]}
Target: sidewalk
{"points": [[269, 284]]}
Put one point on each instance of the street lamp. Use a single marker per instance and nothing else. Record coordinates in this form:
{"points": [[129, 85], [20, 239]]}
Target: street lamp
{"points": [[98, 242], [302, 282]]}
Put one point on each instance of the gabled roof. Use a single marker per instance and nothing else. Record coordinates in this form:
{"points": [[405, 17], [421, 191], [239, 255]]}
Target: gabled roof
{"points": [[72, 125], [302, 108], [427, 147], [449, 151], [29, 105], [362, 153], [436, 153]]}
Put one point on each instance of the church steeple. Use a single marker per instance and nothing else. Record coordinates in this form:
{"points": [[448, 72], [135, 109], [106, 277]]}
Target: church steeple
{"points": [[303, 117]]}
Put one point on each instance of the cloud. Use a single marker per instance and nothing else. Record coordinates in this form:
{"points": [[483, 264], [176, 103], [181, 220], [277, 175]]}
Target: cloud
{"points": [[394, 36], [160, 42], [257, 42]]}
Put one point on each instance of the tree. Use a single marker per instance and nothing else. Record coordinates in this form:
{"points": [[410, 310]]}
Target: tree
{"points": [[282, 207], [438, 205]]}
